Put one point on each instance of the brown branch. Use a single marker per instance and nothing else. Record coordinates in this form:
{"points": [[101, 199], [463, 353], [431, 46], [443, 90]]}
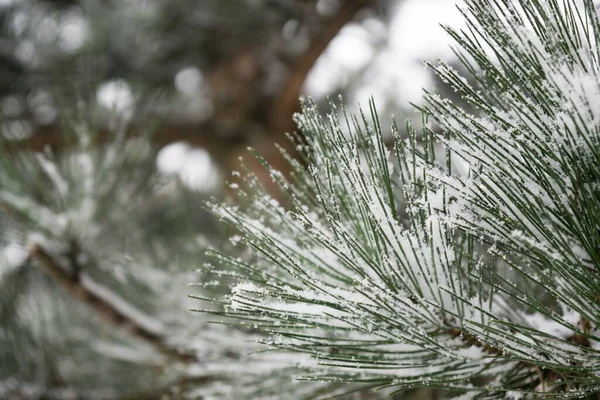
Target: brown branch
{"points": [[545, 375], [579, 338], [91, 294], [471, 340], [287, 102], [204, 134], [54, 394], [172, 389], [15, 390], [228, 131]]}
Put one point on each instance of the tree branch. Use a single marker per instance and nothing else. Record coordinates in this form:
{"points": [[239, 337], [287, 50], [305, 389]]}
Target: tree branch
{"points": [[13, 390], [546, 375], [107, 305], [204, 134], [214, 134], [172, 389], [287, 102]]}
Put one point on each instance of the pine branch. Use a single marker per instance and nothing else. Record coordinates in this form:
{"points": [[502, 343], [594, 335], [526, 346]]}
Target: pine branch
{"points": [[114, 310], [396, 268]]}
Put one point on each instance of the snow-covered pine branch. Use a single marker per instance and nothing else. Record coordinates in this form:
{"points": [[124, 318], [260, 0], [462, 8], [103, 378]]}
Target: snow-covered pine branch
{"points": [[393, 269]]}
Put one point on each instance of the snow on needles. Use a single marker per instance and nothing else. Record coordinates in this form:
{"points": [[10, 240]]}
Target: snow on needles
{"points": [[385, 263]]}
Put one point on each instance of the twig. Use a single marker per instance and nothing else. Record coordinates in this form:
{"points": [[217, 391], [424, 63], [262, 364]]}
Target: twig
{"points": [[471, 340], [544, 375], [580, 339], [115, 310]]}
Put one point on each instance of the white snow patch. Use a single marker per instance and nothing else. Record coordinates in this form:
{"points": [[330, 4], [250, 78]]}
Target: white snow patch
{"points": [[194, 166], [116, 95]]}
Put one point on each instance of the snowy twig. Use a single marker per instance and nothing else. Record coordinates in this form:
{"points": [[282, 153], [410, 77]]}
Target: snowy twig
{"points": [[112, 308]]}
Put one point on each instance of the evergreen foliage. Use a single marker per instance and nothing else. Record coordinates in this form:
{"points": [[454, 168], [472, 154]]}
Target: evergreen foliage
{"points": [[466, 255], [460, 256]]}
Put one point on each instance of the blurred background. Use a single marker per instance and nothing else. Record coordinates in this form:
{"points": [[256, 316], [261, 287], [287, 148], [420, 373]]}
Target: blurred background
{"points": [[229, 71], [117, 119]]}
